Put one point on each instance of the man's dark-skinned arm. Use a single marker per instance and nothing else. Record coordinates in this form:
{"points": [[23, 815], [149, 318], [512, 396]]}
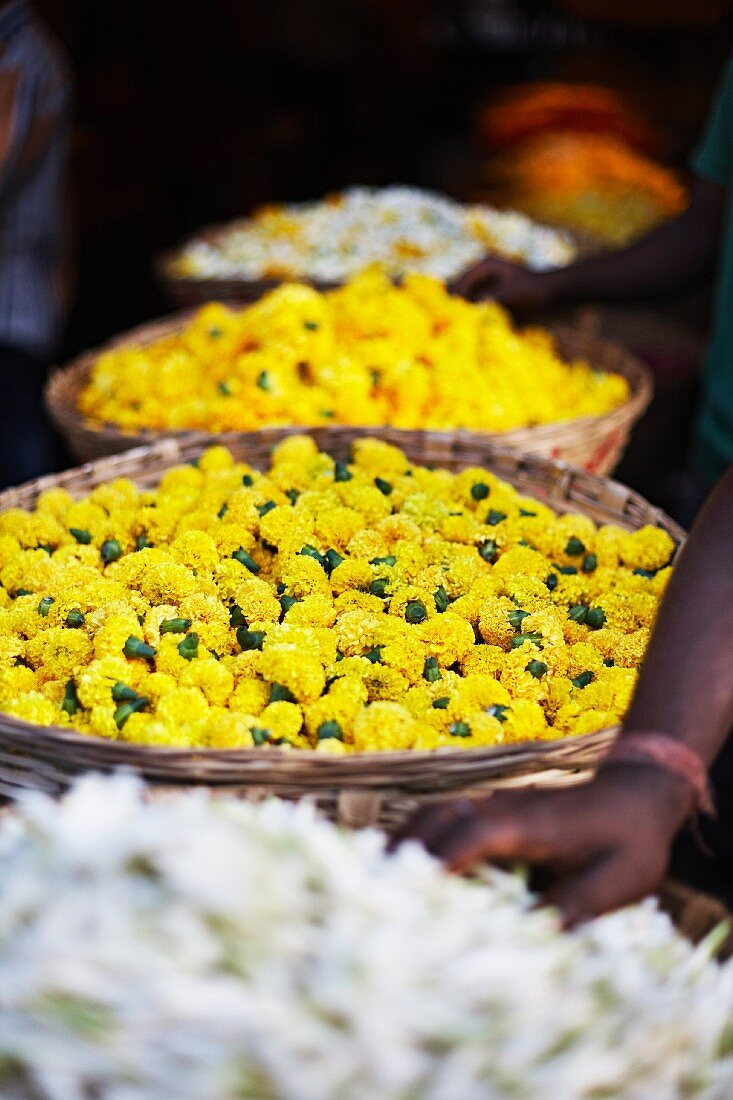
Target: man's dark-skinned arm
{"points": [[668, 259], [607, 843]]}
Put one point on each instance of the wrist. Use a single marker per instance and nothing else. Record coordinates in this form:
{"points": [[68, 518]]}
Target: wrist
{"points": [[670, 796], [668, 754]]}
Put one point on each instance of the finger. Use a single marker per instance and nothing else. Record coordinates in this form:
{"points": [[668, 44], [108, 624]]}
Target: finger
{"points": [[498, 832], [431, 819], [487, 270], [609, 882]]}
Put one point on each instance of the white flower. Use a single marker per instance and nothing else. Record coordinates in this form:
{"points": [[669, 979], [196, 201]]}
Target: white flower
{"points": [[207, 948], [401, 228]]}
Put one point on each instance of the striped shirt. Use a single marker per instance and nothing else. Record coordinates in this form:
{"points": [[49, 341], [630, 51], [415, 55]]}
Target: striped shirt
{"points": [[34, 138]]}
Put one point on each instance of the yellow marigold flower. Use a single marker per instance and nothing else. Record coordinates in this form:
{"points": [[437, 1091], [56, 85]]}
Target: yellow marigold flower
{"points": [[110, 638], [659, 582], [303, 576], [582, 657], [356, 632], [494, 623], [150, 630], [477, 691], [589, 721], [57, 652], [250, 696], [300, 672], [628, 613], [379, 459], [525, 720], [610, 540], [522, 561], [399, 529], [95, 682], [183, 705], [404, 653], [447, 637], [156, 684], [619, 683], [283, 720], [195, 550], [168, 657], [529, 593], [485, 730], [351, 574], [241, 516], [33, 707], [257, 600], [11, 646], [460, 528], [367, 500], [412, 604], [485, 660], [575, 632], [215, 458], [516, 675], [216, 681], [55, 501], [166, 582], [567, 539], [144, 729], [313, 611], [384, 727], [357, 601], [384, 683], [366, 544], [16, 680], [223, 729], [102, 722], [231, 536], [559, 694], [115, 495], [650, 548], [336, 526], [296, 450], [9, 549], [287, 528], [343, 701]]}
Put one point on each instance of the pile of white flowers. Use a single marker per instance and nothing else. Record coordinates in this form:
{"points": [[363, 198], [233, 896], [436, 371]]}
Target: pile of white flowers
{"points": [[202, 950], [401, 228]]}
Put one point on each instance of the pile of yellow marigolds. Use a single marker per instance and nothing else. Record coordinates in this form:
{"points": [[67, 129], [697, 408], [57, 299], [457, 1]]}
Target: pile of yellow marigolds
{"points": [[374, 605], [369, 353]]}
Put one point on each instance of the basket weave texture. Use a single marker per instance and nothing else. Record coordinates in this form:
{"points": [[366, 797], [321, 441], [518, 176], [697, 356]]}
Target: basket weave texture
{"points": [[359, 788], [595, 443]]}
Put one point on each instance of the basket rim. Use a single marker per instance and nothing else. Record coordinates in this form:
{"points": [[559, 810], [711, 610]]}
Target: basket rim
{"points": [[276, 756], [67, 415], [354, 767]]}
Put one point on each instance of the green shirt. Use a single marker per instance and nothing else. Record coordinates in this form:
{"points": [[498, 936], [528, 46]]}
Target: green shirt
{"points": [[713, 160]]}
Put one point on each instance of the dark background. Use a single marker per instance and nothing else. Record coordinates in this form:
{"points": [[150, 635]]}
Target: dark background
{"points": [[191, 112]]}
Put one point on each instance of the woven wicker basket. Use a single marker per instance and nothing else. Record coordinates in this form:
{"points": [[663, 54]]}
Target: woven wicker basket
{"points": [[358, 788], [595, 443]]}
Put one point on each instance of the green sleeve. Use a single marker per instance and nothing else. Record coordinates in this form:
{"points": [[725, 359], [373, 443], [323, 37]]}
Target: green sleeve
{"points": [[713, 157]]}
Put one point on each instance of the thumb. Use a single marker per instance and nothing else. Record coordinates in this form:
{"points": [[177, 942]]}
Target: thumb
{"points": [[611, 881]]}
